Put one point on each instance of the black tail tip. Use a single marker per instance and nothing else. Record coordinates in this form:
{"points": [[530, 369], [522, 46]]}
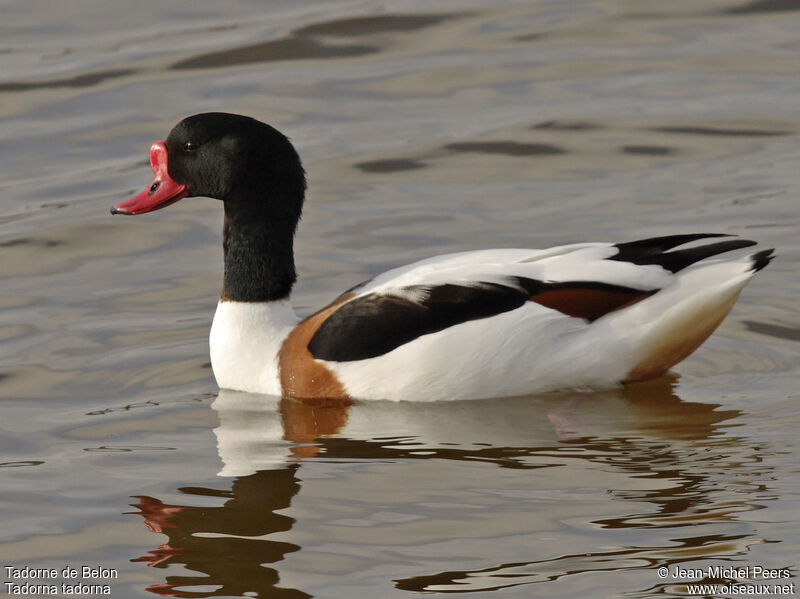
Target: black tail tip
{"points": [[761, 259]]}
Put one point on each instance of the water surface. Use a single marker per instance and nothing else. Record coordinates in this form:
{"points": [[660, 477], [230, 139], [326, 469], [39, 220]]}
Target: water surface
{"points": [[424, 129]]}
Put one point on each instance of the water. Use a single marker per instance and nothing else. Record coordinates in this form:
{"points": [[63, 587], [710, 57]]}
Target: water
{"points": [[480, 124]]}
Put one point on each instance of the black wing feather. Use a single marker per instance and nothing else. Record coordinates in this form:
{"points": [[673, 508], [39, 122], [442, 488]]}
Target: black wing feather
{"points": [[658, 245], [653, 251], [374, 324]]}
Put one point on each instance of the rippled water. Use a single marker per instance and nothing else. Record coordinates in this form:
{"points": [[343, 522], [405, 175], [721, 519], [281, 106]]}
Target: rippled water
{"points": [[425, 128]]}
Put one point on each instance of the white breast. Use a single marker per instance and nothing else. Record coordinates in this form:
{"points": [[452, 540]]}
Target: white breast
{"points": [[245, 340]]}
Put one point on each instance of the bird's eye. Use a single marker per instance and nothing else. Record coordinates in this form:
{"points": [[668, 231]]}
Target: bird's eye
{"points": [[190, 146]]}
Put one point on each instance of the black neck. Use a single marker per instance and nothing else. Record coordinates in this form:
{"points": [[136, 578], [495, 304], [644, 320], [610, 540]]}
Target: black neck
{"points": [[259, 254]]}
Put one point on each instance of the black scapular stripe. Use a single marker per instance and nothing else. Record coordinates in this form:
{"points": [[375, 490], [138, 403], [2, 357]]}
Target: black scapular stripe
{"points": [[375, 324], [654, 250]]}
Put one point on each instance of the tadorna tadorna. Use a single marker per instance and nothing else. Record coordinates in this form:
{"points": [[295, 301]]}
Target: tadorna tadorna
{"points": [[486, 323]]}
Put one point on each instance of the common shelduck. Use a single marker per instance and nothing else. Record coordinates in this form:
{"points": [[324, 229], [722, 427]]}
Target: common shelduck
{"points": [[476, 324]]}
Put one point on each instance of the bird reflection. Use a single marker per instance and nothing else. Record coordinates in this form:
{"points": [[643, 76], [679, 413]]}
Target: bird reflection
{"points": [[222, 543], [264, 442]]}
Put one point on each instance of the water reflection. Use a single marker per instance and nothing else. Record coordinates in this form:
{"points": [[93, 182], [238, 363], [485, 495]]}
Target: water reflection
{"points": [[567, 126], [523, 573], [301, 43], [221, 543], [671, 463], [648, 150], [78, 81], [720, 131], [389, 165], [764, 6], [569, 147], [507, 147], [773, 330]]}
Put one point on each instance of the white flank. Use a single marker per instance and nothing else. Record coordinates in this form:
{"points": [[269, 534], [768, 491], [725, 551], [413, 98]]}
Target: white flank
{"points": [[685, 312]]}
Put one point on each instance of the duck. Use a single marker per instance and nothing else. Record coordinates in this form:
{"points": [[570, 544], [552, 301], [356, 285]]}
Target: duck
{"points": [[472, 324]]}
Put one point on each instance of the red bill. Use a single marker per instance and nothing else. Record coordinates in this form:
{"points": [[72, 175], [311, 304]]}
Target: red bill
{"points": [[162, 192]]}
